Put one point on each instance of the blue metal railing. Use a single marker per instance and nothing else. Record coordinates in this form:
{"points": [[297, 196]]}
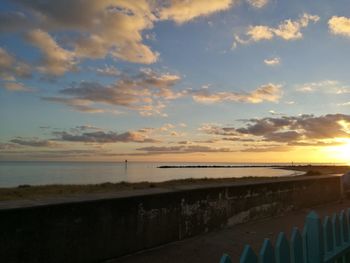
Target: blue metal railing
{"points": [[320, 242]]}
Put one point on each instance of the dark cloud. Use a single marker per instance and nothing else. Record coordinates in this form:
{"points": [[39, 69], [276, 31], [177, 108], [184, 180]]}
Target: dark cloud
{"points": [[216, 130], [286, 136], [34, 142], [86, 127], [49, 154], [13, 21], [237, 138], [267, 149], [181, 149], [104, 137], [304, 130], [146, 92]]}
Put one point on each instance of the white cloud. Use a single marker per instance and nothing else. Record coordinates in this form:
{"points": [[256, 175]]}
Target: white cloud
{"points": [[258, 3], [339, 25], [272, 61], [182, 11], [325, 86], [269, 92], [108, 70], [289, 102], [344, 104], [287, 30]]}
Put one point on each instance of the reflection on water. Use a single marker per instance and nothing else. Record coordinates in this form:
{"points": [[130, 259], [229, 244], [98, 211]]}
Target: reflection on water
{"points": [[39, 173]]}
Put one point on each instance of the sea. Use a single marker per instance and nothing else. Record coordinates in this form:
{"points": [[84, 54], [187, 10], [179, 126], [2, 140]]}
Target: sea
{"points": [[13, 174]]}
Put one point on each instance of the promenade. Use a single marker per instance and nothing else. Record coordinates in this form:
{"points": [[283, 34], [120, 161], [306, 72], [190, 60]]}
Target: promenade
{"points": [[208, 248]]}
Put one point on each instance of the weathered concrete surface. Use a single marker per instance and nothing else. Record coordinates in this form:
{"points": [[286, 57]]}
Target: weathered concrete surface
{"points": [[96, 228], [208, 248]]}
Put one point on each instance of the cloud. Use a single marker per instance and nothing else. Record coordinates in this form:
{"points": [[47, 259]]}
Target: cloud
{"points": [[257, 33], [50, 154], [8, 146], [272, 61], [108, 70], [6, 60], [167, 127], [101, 27], [96, 29], [339, 25], [317, 143], [258, 3], [16, 86], [326, 86], [269, 92], [55, 60], [104, 137], [11, 67], [216, 130], [87, 127], [303, 129], [272, 112], [146, 93], [289, 102], [182, 11], [34, 142], [13, 20], [267, 149], [286, 132], [77, 104], [344, 104], [287, 30], [181, 149]]}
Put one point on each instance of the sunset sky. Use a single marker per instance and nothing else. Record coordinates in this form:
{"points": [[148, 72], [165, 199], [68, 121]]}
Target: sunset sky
{"points": [[175, 80]]}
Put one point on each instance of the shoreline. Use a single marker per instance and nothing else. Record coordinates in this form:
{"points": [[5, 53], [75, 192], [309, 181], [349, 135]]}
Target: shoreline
{"points": [[30, 192], [217, 166]]}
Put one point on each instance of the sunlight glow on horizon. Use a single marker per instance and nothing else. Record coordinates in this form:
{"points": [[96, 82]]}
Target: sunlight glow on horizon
{"points": [[340, 152]]}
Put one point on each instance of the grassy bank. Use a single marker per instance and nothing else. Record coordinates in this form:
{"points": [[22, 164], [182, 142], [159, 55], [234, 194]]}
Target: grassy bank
{"points": [[39, 192]]}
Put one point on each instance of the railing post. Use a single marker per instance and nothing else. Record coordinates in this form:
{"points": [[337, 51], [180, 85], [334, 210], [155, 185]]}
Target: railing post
{"points": [[328, 235], [336, 230], [296, 247], [248, 255], [282, 251], [344, 227], [266, 254], [225, 259], [314, 239]]}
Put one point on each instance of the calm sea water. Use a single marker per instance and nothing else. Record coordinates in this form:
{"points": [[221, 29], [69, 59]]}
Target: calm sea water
{"points": [[41, 173]]}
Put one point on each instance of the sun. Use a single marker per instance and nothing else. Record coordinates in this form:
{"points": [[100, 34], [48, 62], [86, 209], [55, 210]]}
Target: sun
{"points": [[341, 152]]}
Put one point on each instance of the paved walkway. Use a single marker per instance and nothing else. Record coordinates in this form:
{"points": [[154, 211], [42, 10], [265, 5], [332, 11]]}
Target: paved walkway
{"points": [[208, 248]]}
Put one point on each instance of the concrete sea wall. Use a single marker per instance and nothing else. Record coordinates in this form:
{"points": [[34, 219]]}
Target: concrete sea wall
{"points": [[100, 227]]}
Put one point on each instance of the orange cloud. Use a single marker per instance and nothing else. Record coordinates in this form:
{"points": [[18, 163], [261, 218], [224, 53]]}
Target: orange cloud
{"points": [[339, 25]]}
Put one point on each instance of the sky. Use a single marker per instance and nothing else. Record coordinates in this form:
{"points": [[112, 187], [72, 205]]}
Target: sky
{"points": [[175, 80]]}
